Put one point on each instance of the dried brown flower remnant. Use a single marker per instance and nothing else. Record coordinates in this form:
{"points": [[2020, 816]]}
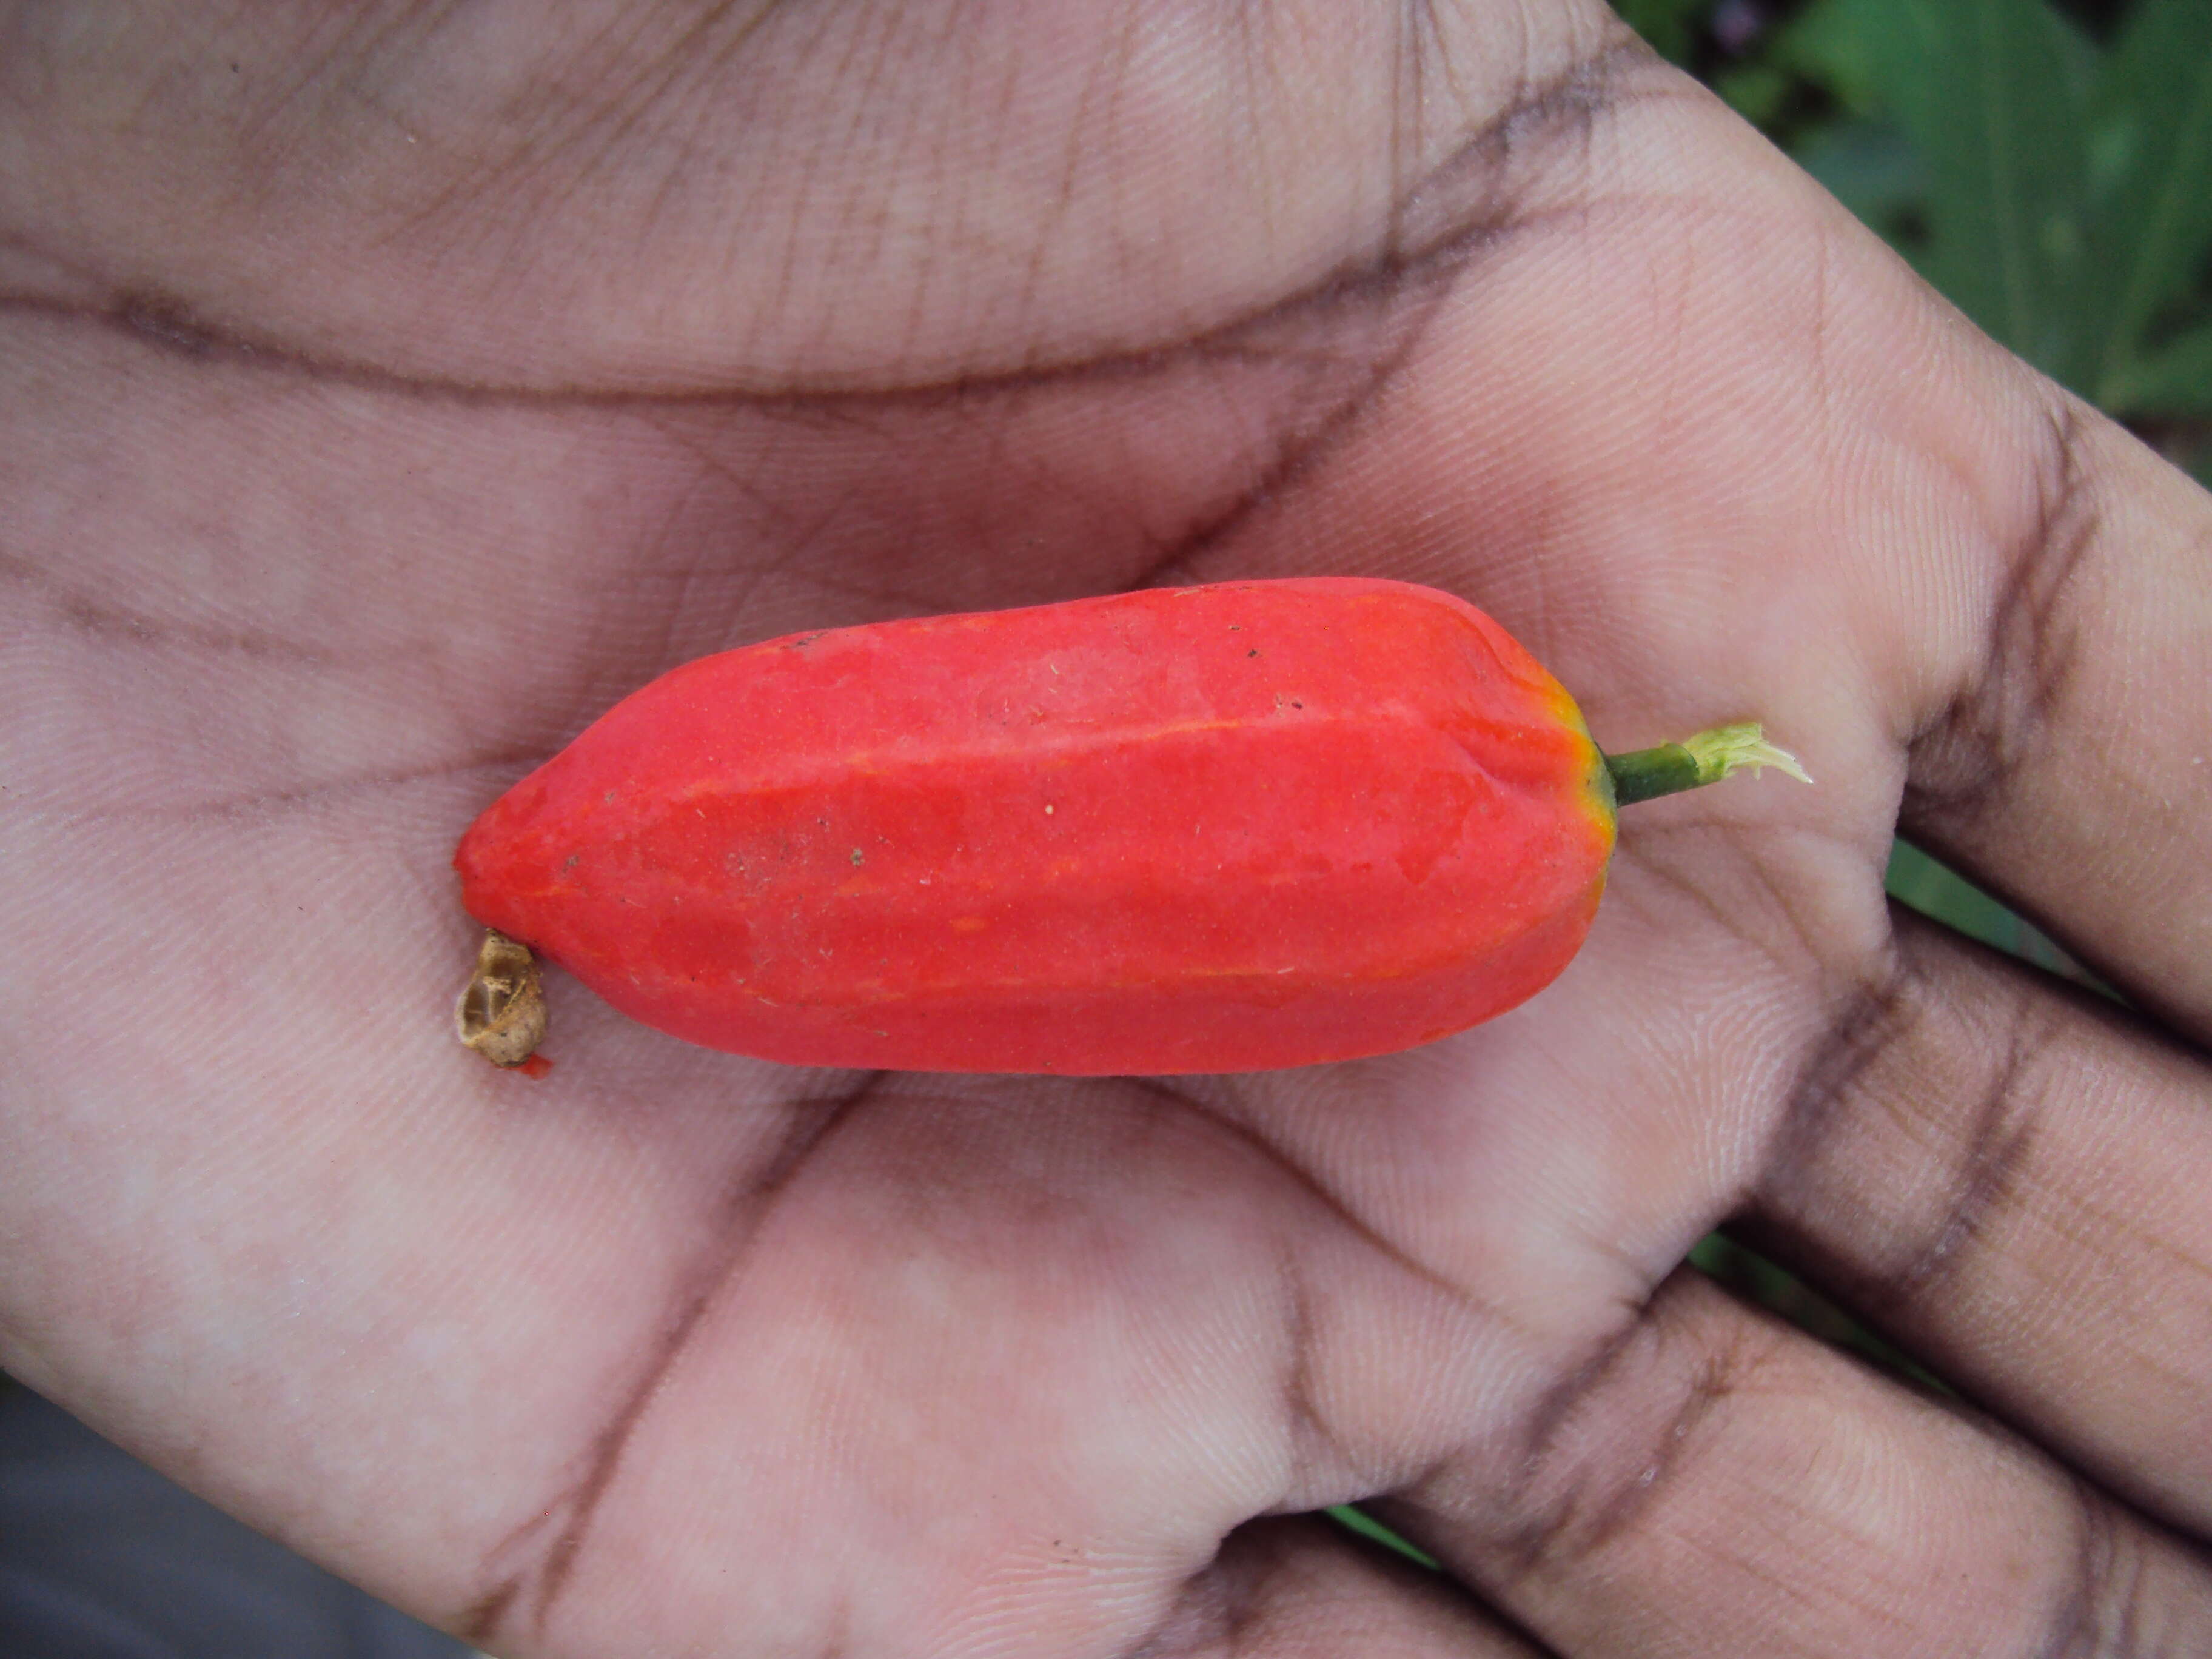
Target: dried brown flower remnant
{"points": [[503, 1012]]}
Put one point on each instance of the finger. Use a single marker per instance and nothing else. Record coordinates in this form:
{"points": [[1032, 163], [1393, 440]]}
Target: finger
{"points": [[2009, 1178], [2066, 760], [1302, 1589], [1719, 1483]]}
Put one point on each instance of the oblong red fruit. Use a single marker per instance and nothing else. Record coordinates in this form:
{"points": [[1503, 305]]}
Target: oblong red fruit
{"points": [[1226, 827]]}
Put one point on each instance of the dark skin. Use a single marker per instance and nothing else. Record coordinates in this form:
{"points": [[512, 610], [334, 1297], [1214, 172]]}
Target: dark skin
{"points": [[385, 389]]}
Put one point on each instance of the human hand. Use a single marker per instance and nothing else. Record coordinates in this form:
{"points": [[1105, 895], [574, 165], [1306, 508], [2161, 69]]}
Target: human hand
{"points": [[386, 391]]}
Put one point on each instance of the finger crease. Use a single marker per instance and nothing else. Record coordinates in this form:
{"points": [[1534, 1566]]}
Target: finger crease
{"points": [[1965, 759], [564, 1522]]}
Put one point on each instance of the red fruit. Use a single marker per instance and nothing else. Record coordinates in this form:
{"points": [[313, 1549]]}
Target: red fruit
{"points": [[1211, 829]]}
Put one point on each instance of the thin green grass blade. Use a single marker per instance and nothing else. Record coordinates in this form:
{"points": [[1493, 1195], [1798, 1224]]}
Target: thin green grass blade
{"points": [[1367, 1526], [1935, 890]]}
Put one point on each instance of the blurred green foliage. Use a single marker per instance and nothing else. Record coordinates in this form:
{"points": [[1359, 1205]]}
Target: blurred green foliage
{"points": [[1673, 26]]}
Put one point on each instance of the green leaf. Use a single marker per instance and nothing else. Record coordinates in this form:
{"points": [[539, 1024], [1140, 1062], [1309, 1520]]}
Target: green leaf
{"points": [[1755, 91], [1870, 167], [2174, 381], [1669, 26], [1995, 95], [2152, 122], [1832, 43]]}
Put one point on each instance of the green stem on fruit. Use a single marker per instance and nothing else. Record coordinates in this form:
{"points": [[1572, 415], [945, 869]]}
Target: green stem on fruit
{"points": [[1696, 761]]}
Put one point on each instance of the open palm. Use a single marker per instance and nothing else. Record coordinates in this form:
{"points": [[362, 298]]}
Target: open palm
{"points": [[384, 391]]}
